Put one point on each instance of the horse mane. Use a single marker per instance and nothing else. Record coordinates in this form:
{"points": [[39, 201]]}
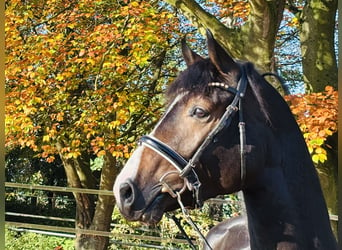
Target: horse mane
{"points": [[284, 125], [258, 84], [272, 104]]}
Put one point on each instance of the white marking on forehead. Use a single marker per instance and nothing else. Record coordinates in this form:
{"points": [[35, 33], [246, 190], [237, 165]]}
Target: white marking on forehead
{"points": [[175, 101], [130, 170]]}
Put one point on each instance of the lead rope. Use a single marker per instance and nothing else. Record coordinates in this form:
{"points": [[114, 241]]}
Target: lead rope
{"points": [[190, 221]]}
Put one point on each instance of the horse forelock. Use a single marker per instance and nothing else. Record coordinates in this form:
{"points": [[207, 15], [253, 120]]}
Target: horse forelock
{"points": [[195, 79]]}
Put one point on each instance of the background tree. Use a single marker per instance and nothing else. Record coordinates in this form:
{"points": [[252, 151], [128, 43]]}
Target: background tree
{"points": [[23, 167], [82, 82], [317, 30]]}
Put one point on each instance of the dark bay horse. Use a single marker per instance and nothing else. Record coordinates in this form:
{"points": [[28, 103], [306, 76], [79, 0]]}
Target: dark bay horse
{"points": [[226, 129]]}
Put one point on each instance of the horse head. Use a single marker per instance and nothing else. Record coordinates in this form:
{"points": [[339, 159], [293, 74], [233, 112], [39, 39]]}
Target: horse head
{"points": [[195, 151]]}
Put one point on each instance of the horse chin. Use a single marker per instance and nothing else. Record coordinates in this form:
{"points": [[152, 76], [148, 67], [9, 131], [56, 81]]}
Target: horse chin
{"points": [[154, 211]]}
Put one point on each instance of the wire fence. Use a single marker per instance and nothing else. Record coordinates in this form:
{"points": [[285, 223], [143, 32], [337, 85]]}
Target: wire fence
{"points": [[154, 242]]}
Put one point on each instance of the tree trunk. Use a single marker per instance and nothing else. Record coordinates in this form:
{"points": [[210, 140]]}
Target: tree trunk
{"points": [[328, 175], [85, 204], [317, 44], [320, 69], [88, 216], [104, 206], [261, 32], [253, 42], [229, 38]]}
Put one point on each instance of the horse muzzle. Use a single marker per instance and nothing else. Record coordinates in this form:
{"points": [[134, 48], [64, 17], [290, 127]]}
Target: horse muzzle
{"points": [[136, 206]]}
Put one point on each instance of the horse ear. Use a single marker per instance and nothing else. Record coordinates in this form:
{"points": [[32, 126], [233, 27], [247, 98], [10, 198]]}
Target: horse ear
{"points": [[219, 57], [189, 56]]}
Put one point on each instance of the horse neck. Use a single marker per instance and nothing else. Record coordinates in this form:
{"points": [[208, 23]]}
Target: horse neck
{"points": [[285, 205]]}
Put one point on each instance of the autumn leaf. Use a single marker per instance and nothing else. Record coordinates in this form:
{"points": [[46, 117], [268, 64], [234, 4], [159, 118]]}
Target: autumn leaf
{"points": [[316, 114], [233, 13]]}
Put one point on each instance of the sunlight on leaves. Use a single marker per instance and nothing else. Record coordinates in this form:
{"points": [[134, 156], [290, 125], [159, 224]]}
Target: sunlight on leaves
{"points": [[316, 114]]}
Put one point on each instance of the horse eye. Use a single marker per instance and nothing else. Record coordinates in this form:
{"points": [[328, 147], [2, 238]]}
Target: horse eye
{"points": [[199, 112]]}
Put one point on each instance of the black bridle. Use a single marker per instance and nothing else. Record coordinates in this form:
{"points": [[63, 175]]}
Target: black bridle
{"points": [[186, 168]]}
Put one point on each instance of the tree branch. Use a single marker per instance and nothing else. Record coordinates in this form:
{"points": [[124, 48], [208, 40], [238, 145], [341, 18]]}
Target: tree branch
{"points": [[228, 38]]}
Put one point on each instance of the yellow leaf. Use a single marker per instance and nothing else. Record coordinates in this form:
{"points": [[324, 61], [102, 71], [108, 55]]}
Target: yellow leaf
{"points": [[101, 153], [46, 138], [113, 124], [60, 116], [117, 154], [134, 4], [315, 158], [91, 61], [108, 65], [322, 157], [59, 77], [328, 132], [100, 143], [73, 155]]}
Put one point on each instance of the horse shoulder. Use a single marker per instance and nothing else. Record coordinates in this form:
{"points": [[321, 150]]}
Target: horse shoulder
{"points": [[231, 234]]}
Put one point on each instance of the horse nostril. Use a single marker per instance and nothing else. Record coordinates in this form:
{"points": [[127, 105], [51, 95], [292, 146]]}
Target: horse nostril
{"points": [[127, 193]]}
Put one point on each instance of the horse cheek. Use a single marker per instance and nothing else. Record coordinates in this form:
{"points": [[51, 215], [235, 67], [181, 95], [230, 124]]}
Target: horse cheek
{"points": [[229, 168]]}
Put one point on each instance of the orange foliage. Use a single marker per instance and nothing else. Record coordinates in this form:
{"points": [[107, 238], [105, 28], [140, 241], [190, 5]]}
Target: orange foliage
{"points": [[73, 69], [316, 114], [238, 11]]}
